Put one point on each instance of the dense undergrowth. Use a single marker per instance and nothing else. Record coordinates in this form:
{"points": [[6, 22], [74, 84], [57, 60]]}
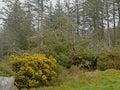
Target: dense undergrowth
{"points": [[38, 70]]}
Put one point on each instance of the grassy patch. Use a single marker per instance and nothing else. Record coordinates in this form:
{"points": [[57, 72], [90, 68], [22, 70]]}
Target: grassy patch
{"points": [[97, 80], [5, 68]]}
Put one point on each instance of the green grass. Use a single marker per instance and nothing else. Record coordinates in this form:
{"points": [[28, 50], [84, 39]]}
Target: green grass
{"points": [[97, 80], [6, 69]]}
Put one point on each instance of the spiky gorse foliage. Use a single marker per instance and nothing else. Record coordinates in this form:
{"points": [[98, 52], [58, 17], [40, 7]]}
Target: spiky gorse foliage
{"points": [[33, 70]]}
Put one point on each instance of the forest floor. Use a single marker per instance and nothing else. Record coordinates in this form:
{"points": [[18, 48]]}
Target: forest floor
{"points": [[94, 80]]}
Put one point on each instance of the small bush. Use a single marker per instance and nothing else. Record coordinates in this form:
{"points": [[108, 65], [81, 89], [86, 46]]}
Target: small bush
{"points": [[85, 59], [63, 60], [33, 70], [109, 60]]}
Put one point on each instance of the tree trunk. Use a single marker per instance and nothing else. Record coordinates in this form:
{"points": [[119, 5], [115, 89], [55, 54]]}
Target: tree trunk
{"points": [[108, 38], [114, 27]]}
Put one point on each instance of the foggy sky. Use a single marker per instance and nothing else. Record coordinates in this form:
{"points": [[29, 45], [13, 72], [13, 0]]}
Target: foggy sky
{"points": [[2, 4]]}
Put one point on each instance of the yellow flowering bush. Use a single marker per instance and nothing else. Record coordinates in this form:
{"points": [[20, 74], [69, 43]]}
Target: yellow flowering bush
{"points": [[33, 70]]}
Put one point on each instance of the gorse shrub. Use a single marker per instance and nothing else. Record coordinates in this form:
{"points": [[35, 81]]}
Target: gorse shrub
{"points": [[33, 70]]}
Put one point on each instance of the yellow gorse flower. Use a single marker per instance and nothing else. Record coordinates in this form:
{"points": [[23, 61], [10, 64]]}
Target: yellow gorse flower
{"points": [[47, 71], [40, 72], [44, 77]]}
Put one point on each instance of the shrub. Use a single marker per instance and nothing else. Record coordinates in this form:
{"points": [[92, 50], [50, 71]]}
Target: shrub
{"points": [[33, 70], [85, 59], [110, 60], [63, 59]]}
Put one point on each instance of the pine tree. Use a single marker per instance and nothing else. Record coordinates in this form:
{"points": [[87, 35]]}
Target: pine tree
{"points": [[17, 25]]}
